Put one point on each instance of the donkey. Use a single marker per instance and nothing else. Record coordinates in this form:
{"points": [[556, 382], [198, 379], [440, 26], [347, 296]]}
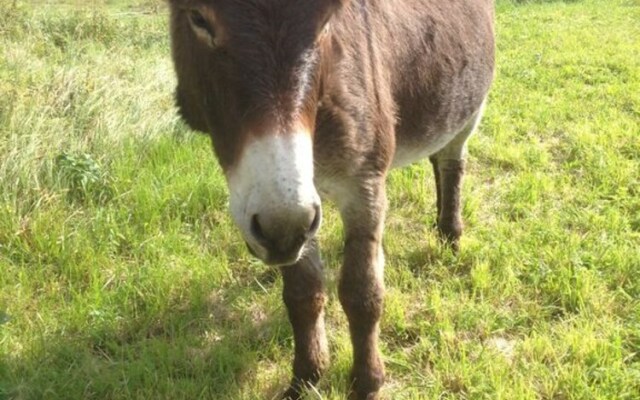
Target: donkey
{"points": [[302, 98]]}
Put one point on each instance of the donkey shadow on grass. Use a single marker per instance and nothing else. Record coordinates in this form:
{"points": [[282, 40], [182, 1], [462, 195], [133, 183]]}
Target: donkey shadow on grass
{"points": [[209, 349]]}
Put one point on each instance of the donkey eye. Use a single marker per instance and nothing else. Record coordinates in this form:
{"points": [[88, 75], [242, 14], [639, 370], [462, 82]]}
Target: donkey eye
{"points": [[202, 28], [198, 20]]}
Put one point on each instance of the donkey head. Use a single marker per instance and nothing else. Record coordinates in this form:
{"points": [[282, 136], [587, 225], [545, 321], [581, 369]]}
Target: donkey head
{"points": [[249, 75]]}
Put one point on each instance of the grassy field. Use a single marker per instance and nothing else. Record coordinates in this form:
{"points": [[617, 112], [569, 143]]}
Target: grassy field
{"points": [[122, 276]]}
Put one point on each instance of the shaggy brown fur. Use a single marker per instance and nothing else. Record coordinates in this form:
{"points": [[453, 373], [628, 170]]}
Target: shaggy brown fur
{"points": [[378, 83]]}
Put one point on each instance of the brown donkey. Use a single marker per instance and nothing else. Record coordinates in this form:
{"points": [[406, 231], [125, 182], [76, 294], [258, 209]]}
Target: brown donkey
{"points": [[325, 96]]}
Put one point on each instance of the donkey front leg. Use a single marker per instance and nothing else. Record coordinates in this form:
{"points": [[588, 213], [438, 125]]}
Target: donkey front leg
{"points": [[304, 298], [361, 288]]}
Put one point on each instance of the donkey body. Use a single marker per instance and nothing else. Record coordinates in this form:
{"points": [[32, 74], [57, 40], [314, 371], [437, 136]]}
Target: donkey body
{"points": [[323, 97]]}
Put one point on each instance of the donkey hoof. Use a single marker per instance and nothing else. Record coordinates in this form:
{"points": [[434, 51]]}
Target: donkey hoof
{"points": [[293, 393], [364, 396], [451, 242], [450, 234], [298, 388], [366, 386]]}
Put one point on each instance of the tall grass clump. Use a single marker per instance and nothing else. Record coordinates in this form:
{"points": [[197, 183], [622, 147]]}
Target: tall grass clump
{"points": [[76, 81]]}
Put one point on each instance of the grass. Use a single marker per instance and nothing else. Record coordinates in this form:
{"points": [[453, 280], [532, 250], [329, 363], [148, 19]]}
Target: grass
{"points": [[122, 276]]}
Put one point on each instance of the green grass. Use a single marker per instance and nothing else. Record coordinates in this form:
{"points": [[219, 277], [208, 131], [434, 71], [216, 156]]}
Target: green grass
{"points": [[122, 276]]}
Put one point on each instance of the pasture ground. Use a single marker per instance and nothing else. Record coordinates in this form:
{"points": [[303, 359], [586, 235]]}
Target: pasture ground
{"points": [[122, 277]]}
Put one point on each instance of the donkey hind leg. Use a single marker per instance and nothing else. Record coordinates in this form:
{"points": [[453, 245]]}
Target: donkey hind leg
{"points": [[361, 287], [448, 168], [304, 298], [436, 176]]}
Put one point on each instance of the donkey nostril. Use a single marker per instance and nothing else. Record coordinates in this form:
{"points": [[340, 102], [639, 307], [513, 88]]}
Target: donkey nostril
{"points": [[256, 229], [315, 224]]}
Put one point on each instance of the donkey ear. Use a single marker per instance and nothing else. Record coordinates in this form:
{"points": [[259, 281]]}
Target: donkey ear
{"points": [[341, 3], [330, 8]]}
